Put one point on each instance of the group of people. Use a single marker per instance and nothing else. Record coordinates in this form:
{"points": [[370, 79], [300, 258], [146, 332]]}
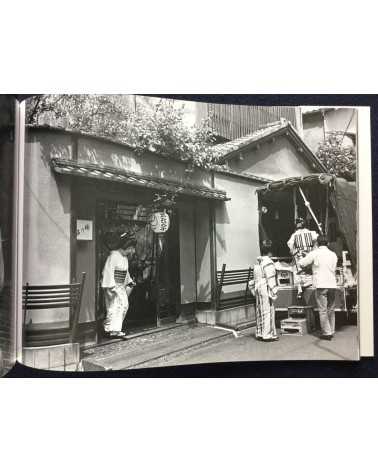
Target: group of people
{"points": [[309, 250]]}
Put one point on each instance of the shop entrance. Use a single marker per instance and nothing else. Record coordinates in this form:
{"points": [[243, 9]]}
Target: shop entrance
{"points": [[155, 265]]}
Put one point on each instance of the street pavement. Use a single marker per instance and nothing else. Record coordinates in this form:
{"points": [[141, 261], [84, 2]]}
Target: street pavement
{"points": [[343, 347], [203, 344]]}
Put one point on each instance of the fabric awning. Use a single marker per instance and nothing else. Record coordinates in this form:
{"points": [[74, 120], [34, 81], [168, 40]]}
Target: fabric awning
{"points": [[92, 171], [278, 185]]}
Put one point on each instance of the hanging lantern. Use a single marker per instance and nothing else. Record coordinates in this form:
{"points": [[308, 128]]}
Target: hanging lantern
{"points": [[160, 222]]}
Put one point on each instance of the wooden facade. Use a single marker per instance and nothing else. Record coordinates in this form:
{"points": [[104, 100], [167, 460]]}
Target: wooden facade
{"points": [[234, 121]]}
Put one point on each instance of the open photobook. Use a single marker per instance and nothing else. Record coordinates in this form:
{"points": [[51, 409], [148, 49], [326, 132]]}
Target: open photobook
{"points": [[140, 231]]}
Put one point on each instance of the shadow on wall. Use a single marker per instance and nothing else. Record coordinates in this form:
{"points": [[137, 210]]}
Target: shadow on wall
{"points": [[147, 164], [204, 291], [52, 150], [222, 218]]}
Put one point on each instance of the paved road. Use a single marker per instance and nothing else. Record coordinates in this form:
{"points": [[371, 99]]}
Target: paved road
{"points": [[344, 346]]}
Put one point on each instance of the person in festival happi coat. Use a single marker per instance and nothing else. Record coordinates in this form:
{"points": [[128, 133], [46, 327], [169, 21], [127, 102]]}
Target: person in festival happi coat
{"points": [[264, 289], [301, 242], [116, 281]]}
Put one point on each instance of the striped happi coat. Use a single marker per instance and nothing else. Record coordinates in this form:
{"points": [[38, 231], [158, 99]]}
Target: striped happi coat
{"points": [[264, 288], [302, 242]]}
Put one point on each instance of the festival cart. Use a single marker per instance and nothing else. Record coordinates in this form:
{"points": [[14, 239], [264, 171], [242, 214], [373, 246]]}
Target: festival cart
{"points": [[329, 205]]}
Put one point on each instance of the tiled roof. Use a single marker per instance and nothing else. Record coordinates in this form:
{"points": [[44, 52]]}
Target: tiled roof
{"points": [[227, 148], [69, 167]]}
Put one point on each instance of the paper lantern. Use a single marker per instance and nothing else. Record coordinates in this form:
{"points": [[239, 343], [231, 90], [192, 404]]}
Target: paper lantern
{"points": [[159, 222]]}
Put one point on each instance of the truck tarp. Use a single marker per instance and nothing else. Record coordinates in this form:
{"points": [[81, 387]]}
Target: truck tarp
{"points": [[344, 202]]}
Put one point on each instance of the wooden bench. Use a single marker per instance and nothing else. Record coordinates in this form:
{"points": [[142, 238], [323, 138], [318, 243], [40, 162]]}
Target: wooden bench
{"points": [[233, 277], [43, 297]]}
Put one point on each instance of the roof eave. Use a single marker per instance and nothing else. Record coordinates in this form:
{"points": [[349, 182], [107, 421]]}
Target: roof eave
{"points": [[253, 143], [287, 128]]}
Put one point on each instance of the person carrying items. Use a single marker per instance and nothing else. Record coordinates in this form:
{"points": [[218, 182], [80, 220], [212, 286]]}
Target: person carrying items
{"points": [[115, 281], [323, 262], [301, 242], [264, 289]]}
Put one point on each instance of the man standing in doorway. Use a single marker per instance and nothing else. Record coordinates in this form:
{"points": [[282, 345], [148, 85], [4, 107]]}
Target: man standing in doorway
{"points": [[324, 262]]}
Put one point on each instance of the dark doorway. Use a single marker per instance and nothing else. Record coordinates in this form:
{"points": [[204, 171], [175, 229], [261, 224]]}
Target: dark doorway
{"points": [[154, 267], [277, 221]]}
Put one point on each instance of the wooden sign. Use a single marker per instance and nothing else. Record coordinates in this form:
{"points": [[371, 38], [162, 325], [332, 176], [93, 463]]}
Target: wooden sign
{"points": [[84, 230]]}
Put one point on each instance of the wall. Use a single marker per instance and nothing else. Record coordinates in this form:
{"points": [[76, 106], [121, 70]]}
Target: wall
{"points": [[84, 207], [101, 153], [237, 232], [187, 252], [203, 251], [273, 160], [47, 218]]}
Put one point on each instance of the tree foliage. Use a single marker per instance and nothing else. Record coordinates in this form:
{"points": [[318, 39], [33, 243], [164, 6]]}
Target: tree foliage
{"points": [[160, 128], [339, 159]]}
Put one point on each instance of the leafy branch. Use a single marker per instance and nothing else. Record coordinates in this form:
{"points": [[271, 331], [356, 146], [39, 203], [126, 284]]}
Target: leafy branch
{"points": [[159, 129], [339, 159]]}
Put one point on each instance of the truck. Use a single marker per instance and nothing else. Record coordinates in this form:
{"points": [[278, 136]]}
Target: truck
{"points": [[328, 204]]}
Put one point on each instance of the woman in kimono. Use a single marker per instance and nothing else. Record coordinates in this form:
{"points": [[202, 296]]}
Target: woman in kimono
{"points": [[115, 280], [264, 289]]}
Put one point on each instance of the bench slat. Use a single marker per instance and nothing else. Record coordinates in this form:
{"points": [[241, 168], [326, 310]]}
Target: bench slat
{"points": [[42, 306], [29, 288], [52, 292], [245, 277], [67, 296]]}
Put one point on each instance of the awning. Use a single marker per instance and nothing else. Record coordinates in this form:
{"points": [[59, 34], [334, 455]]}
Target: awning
{"points": [[278, 185], [93, 171]]}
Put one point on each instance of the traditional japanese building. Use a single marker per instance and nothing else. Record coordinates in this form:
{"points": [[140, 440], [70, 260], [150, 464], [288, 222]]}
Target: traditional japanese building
{"points": [[79, 186]]}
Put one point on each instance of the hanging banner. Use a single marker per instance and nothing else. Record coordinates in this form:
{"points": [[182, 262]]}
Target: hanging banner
{"points": [[160, 222]]}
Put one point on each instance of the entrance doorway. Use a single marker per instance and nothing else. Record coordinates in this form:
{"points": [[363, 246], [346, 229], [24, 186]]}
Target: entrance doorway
{"points": [[154, 266]]}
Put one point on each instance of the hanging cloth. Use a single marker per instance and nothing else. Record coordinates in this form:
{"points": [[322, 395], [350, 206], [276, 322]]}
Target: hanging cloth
{"points": [[343, 197]]}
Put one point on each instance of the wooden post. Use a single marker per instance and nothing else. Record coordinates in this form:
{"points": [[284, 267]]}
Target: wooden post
{"points": [[157, 278], [75, 320], [219, 288]]}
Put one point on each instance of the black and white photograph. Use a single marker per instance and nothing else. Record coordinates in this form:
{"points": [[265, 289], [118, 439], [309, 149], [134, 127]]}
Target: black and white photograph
{"points": [[166, 232]]}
